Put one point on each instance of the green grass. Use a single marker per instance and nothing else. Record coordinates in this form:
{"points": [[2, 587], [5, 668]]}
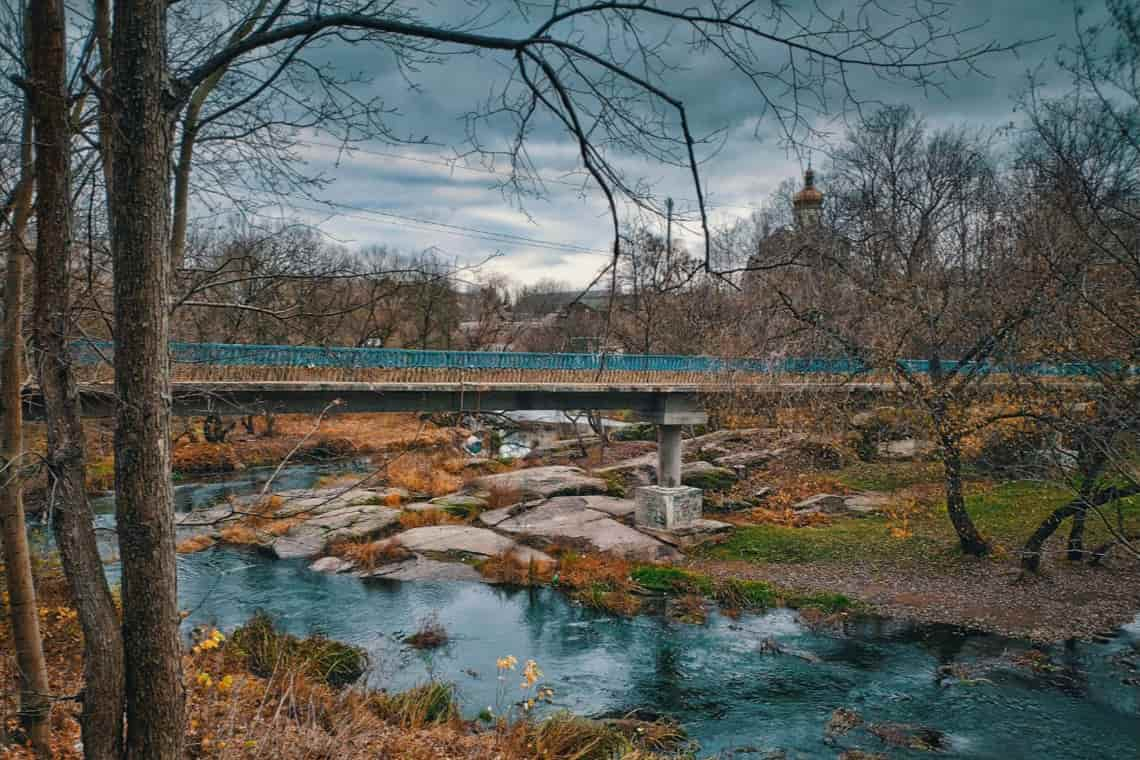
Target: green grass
{"points": [[889, 477], [1006, 514], [734, 593]]}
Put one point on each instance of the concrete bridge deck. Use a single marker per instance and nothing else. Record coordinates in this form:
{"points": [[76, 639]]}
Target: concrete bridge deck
{"points": [[663, 403]]}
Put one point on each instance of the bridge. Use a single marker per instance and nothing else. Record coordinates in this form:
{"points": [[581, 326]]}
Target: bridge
{"points": [[211, 378]]}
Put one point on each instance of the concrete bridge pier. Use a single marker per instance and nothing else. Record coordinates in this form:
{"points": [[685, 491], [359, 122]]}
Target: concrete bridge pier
{"points": [[669, 504], [669, 455]]}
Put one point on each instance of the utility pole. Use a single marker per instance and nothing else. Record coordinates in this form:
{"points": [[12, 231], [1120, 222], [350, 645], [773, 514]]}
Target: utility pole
{"points": [[668, 226]]}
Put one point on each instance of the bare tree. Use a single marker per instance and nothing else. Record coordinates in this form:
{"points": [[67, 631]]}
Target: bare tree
{"points": [[922, 262], [35, 704], [597, 70], [72, 524], [1081, 157]]}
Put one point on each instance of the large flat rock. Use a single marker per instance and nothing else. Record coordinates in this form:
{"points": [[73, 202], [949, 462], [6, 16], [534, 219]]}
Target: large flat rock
{"points": [[444, 539], [640, 470], [543, 482], [828, 503], [747, 459], [424, 569], [324, 501], [312, 537], [569, 517]]}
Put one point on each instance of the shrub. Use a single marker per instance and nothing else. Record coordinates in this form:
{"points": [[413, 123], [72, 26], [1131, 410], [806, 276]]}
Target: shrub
{"points": [[564, 735], [431, 634], [510, 568], [368, 555], [432, 703], [266, 651]]}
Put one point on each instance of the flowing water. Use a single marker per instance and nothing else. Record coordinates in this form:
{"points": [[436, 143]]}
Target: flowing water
{"points": [[732, 697]]}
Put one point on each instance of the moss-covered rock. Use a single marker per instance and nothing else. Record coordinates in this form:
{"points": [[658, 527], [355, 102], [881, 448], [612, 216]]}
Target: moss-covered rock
{"points": [[707, 477]]}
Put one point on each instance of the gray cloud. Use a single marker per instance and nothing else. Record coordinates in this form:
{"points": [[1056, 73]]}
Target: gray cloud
{"points": [[748, 165]]}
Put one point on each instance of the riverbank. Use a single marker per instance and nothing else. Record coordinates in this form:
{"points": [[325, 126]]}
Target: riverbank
{"points": [[884, 546], [259, 692]]}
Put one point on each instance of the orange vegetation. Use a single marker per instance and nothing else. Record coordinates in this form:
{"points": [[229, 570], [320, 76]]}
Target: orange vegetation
{"points": [[422, 518], [368, 555], [431, 472], [511, 568]]}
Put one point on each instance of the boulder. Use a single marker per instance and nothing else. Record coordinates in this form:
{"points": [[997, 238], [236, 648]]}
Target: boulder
{"points": [[311, 537], [720, 436], [747, 459], [206, 518], [331, 565], [868, 503], [822, 502], [611, 505], [707, 477], [543, 482], [687, 536], [466, 539], [763, 493], [640, 470], [906, 449], [570, 517], [422, 506], [460, 503], [910, 736]]}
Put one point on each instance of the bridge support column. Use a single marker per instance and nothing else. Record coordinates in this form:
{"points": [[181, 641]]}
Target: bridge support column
{"points": [[669, 504], [669, 455]]}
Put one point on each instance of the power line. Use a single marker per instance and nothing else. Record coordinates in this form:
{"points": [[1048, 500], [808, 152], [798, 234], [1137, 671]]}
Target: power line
{"points": [[411, 222], [452, 166]]}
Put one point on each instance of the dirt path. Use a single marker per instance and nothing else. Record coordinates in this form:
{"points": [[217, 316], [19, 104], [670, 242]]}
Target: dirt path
{"points": [[1071, 602]]}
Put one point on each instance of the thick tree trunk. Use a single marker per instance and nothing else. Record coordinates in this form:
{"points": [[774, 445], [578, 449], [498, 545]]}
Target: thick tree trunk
{"points": [[968, 536], [35, 704], [140, 240], [72, 520]]}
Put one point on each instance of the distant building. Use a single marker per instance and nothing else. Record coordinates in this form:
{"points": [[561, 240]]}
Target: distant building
{"points": [[802, 243]]}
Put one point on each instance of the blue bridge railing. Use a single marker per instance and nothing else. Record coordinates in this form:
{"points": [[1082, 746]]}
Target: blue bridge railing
{"points": [[237, 355]]}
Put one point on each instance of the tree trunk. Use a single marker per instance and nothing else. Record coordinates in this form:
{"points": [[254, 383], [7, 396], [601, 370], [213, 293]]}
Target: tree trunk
{"points": [[35, 705], [1092, 463], [72, 520], [140, 242], [1076, 549], [968, 536]]}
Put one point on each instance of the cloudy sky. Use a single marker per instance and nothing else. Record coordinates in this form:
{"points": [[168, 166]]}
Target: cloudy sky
{"points": [[410, 197]]}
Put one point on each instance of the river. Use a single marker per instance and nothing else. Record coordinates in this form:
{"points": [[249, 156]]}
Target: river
{"points": [[731, 696]]}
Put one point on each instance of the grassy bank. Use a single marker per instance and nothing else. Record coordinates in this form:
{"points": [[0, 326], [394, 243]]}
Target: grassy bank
{"points": [[915, 529]]}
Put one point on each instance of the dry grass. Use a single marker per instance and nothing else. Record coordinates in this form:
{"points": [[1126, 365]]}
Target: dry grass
{"points": [[583, 570], [599, 581], [433, 473], [196, 543], [368, 555], [239, 535], [511, 568], [426, 517], [500, 496]]}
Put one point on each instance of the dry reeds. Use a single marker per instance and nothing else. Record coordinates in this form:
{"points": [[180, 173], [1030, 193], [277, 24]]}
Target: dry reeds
{"points": [[368, 555]]}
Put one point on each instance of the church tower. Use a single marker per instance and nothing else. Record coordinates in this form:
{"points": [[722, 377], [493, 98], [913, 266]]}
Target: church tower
{"points": [[808, 204]]}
